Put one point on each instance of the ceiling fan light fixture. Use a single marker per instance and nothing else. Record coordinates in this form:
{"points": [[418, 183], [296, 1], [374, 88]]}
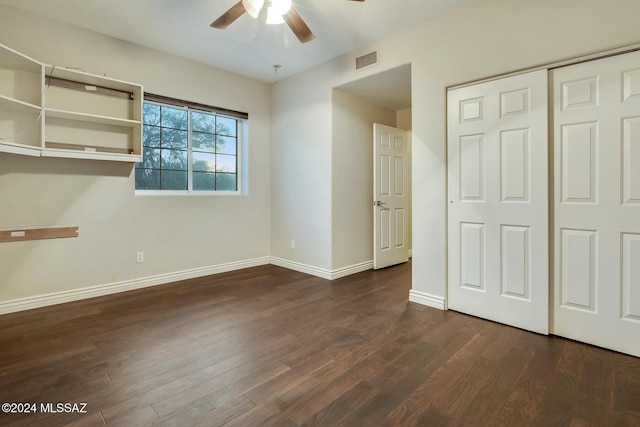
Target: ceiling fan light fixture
{"points": [[273, 18], [275, 10], [253, 7]]}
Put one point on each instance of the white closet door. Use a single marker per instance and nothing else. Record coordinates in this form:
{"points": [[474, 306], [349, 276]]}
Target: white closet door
{"points": [[498, 193], [597, 202]]}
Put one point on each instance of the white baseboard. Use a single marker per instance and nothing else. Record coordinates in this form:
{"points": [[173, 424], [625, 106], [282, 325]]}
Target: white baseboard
{"points": [[352, 269], [322, 272], [38, 301], [426, 299], [302, 268]]}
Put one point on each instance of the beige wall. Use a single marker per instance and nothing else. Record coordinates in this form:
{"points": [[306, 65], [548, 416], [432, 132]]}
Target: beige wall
{"points": [[480, 39], [292, 196], [403, 119], [301, 170], [176, 233], [352, 177]]}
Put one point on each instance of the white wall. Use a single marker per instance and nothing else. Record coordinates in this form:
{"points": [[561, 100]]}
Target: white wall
{"points": [[352, 177], [481, 39], [176, 233]]}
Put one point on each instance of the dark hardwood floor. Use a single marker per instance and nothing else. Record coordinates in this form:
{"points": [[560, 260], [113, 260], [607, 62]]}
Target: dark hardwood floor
{"points": [[271, 347]]}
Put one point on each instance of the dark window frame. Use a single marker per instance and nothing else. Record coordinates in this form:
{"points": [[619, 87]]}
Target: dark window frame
{"points": [[212, 174]]}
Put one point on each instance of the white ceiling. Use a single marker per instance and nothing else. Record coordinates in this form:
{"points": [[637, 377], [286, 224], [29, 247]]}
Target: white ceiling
{"points": [[248, 46]]}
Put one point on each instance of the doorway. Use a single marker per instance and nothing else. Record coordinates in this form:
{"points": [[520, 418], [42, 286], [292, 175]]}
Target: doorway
{"points": [[379, 98]]}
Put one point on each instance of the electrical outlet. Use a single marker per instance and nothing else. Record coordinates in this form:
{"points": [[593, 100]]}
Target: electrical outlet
{"points": [[293, 244], [140, 257]]}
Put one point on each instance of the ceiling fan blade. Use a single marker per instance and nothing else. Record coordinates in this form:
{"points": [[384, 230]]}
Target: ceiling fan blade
{"points": [[298, 26], [227, 18]]}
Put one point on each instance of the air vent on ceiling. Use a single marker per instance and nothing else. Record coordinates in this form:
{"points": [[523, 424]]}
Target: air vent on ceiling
{"points": [[367, 60]]}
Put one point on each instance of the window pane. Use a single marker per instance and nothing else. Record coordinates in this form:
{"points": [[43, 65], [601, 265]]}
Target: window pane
{"points": [[204, 162], [226, 144], [176, 139], [175, 118], [174, 159], [151, 114], [225, 182], [204, 181], [203, 141], [174, 136], [151, 159], [225, 163], [174, 180], [203, 122], [226, 126], [147, 179], [151, 136]]}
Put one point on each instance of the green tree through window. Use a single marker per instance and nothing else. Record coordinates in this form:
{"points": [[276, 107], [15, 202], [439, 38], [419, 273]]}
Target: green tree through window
{"points": [[187, 150]]}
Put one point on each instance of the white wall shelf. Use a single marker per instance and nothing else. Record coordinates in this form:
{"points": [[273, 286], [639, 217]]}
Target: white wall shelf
{"points": [[90, 116], [52, 111], [88, 154], [15, 60], [12, 104], [22, 149], [21, 84]]}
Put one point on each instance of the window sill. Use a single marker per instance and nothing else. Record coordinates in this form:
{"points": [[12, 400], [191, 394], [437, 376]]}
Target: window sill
{"points": [[169, 193]]}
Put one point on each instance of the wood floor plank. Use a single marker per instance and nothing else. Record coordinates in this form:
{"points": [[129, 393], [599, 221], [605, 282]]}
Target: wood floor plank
{"points": [[234, 385], [262, 416], [398, 357], [595, 379], [93, 420], [144, 416], [316, 399], [443, 343], [523, 404], [559, 402], [430, 394], [197, 416], [484, 408], [298, 378], [267, 346], [626, 387]]}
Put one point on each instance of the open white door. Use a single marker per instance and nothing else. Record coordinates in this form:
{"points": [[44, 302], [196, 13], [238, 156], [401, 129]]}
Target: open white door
{"points": [[597, 202], [498, 194], [390, 196]]}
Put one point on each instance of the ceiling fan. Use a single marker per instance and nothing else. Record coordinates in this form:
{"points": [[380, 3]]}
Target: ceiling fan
{"points": [[276, 11]]}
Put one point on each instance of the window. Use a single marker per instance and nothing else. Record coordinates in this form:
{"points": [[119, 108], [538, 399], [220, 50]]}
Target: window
{"points": [[188, 149]]}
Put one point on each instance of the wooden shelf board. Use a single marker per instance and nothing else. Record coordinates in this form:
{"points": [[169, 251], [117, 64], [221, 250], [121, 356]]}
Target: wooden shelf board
{"points": [[90, 118], [23, 234]]}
